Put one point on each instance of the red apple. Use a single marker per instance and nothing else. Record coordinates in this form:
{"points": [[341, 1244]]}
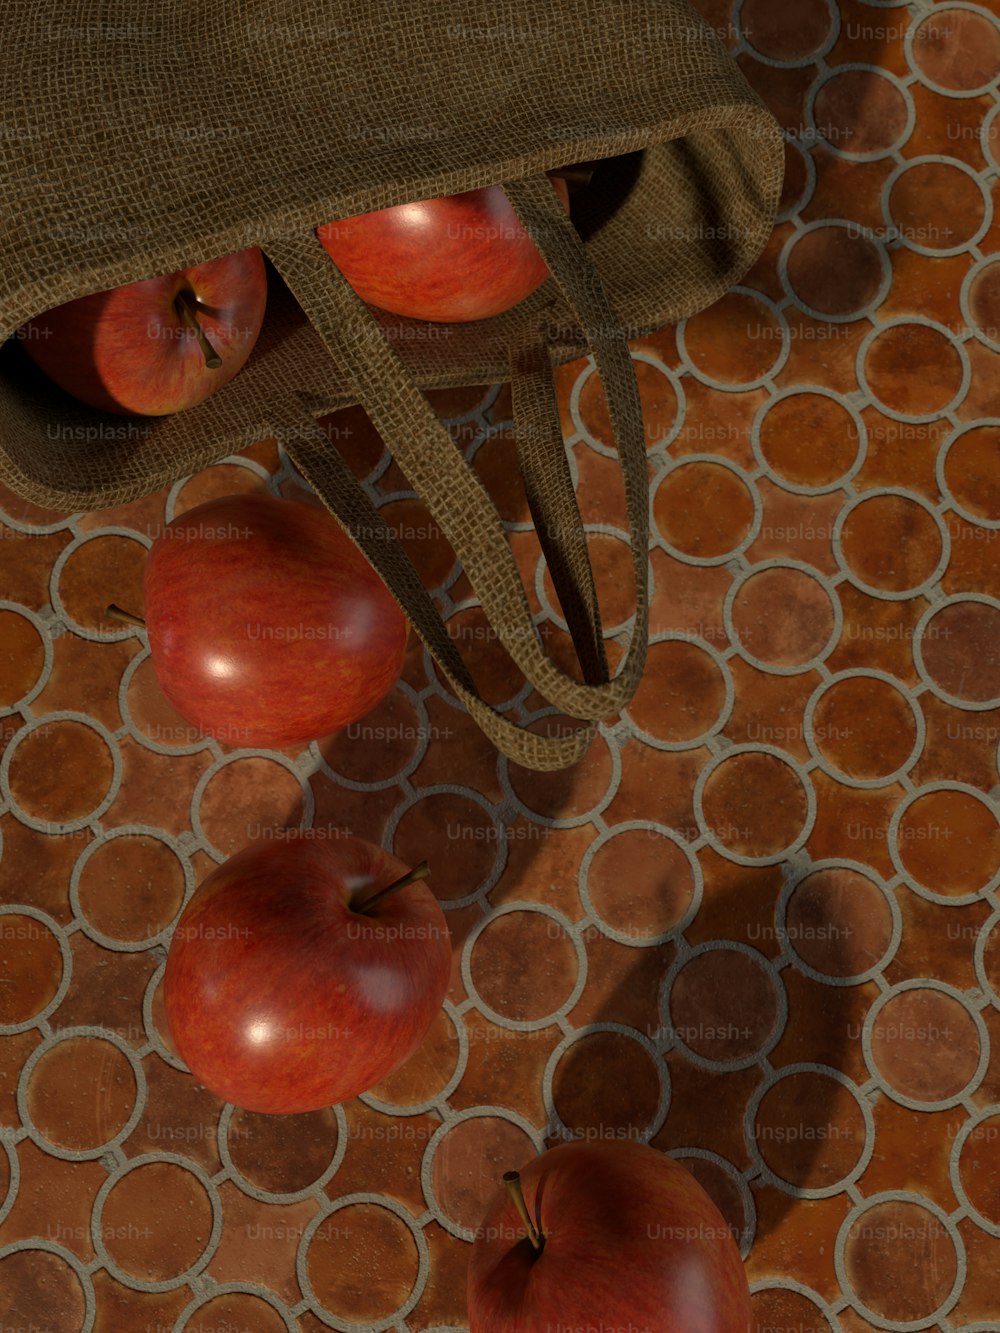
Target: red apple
{"points": [[288, 988], [267, 625], [155, 346], [462, 257], [624, 1237]]}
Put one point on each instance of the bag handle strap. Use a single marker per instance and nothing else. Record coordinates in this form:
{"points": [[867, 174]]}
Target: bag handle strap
{"points": [[542, 451], [548, 484], [457, 499], [344, 496]]}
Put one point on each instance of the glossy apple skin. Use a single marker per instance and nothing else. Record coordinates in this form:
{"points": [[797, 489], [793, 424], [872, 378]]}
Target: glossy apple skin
{"points": [[631, 1239], [280, 998], [462, 257], [129, 351], [267, 625]]}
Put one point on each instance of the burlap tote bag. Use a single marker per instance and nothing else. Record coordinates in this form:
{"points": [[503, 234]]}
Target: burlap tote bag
{"points": [[137, 139]]}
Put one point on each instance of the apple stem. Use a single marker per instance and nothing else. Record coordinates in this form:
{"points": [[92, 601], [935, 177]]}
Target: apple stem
{"points": [[418, 872], [512, 1180], [126, 617], [575, 177], [187, 308]]}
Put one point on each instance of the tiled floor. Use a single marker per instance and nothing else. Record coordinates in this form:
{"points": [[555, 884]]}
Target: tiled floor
{"points": [[758, 926]]}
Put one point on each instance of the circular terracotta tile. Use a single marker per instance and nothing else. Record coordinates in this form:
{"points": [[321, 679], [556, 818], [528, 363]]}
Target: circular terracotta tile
{"points": [[247, 800], [605, 1084], [362, 1263], [960, 648], [936, 205], [131, 888], [496, 464], [925, 1045], [864, 728], [957, 48], [949, 842], [737, 340], [379, 746], [797, 183], [789, 430], [153, 715], [703, 510], [991, 959], [458, 402], [550, 797], [31, 967], [524, 966], [777, 1307], [860, 112], [839, 922], [350, 430], [723, 1005], [783, 617], [611, 560], [682, 694], [835, 271], [908, 1241], [427, 1072], [235, 1312], [721, 1187], [469, 1164], [60, 772], [785, 31], [40, 1289], [104, 1093], [809, 1130], [984, 306], [22, 657], [217, 481], [282, 1153], [455, 835], [99, 571], [979, 1168], [656, 394], [754, 804], [972, 465], [157, 1221], [496, 674], [891, 543], [640, 883], [421, 538], [913, 370]]}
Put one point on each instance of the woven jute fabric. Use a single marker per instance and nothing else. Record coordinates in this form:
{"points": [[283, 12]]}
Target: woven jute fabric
{"points": [[139, 139]]}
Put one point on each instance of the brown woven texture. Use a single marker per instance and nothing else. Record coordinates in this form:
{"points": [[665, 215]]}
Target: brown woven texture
{"points": [[142, 139]]}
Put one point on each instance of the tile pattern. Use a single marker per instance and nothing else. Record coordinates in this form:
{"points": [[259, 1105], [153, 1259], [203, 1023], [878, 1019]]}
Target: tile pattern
{"points": [[758, 926]]}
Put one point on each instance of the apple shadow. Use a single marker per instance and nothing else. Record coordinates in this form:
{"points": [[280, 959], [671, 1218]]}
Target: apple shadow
{"points": [[704, 1005], [726, 1025]]}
